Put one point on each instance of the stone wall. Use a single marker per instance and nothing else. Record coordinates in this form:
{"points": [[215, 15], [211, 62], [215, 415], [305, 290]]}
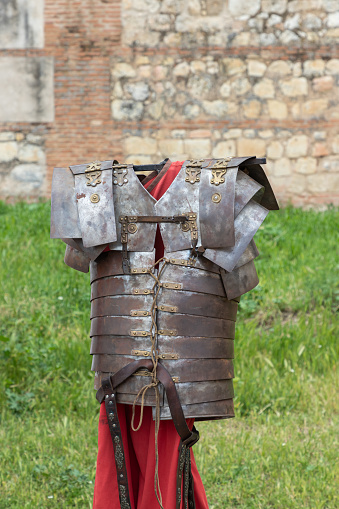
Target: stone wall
{"points": [[140, 80]]}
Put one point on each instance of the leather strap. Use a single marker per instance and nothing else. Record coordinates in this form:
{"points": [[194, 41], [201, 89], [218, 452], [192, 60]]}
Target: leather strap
{"points": [[119, 455], [159, 176]]}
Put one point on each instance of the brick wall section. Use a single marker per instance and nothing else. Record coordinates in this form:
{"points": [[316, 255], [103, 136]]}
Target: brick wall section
{"points": [[139, 80]]}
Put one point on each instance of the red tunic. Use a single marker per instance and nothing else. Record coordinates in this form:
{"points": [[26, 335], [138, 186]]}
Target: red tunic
{"points": [[139, 446]]}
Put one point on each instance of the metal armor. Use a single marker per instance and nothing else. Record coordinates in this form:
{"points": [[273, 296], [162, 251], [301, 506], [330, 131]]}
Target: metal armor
{"points": [[207, 218]]}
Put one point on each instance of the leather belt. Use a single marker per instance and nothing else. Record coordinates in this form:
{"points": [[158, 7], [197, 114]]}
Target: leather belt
{"points": [[107, 393]]}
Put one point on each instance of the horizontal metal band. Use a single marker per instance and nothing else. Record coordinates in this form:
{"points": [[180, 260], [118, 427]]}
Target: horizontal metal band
{"points": [[110, 263], [185, 347], [119, 325], [188, 370], [121, 305], [223, 409], [204, 392], [188, 325], [121, 285], [193, 280], [198, 304]]}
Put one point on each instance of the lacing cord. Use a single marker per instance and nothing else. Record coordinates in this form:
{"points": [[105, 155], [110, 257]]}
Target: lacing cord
{"points": [[154, 383]]}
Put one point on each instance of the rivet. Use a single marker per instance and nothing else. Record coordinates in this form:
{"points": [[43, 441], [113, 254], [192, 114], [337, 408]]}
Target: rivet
{"points": [[176, 286], [95, 198], [145, 313], [172, 309]]}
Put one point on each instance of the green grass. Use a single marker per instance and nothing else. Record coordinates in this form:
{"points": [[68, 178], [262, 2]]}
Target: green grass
{"points": [[280, 450]]}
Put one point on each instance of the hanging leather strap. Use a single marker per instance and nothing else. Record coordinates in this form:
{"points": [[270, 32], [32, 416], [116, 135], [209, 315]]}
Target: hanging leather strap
{"points": [[184, 489]]}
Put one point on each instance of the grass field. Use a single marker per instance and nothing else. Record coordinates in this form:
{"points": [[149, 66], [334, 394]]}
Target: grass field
{"points": [[279, 452]]}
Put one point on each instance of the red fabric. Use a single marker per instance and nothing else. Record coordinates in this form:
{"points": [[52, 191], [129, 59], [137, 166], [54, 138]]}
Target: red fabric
{"points": [[139, 446]]}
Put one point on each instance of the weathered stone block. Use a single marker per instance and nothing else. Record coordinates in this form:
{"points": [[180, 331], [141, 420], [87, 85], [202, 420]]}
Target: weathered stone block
{"points": [[332, 66], [251, 109], [140, 145], [127, 110], [323, 84], [255, 147], [243, 7], [294, 87], [306, 165], [219, 108], [172, 146], [282, 167], [31, 153], [314, 67], [234, 66], [232, 133], [198, 148], [279, 68], [224, 149], [303, 5], [191, 111], [139, 91], [21, 24], [319, 150], [256, 68], [30, 176], [264, 89], [225, 89], [7, 136], [277, 110], [240, 86], [278, 6], [181, 70], [275, 150], [297, 146], [26, 89], [315, 108], [333, 20], [8, 151]]}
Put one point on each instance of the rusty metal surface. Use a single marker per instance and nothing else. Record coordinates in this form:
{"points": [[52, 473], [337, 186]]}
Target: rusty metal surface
{"points": [[76, 259], [185, 347], [64, 213], [217, 215], [240, 280], [250, 253], [119, 325], [246, 188], [246, 225], [188, 370], [203, 392], [203, 411], [110, 263], [199, 304], [181, 197], [97, 220], [120, 305], [120, 285], [132, 199], [194, 280], [188, 325]]}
